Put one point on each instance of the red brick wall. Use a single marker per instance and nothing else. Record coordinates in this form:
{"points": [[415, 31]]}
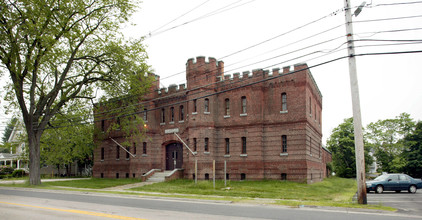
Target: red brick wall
{"points": [[263, 126]]}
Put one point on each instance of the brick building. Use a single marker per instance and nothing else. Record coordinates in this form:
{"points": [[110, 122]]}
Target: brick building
{"points": [[264, 125]]}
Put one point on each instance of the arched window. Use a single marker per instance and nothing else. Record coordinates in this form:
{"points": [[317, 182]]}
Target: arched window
{"points": [[243, 104], [206, 105], [145, 115], [283, 144], [227, 106], [227, 146], [181, 113], [243, 145], [163, 115], [172, 114], [283, 102]]}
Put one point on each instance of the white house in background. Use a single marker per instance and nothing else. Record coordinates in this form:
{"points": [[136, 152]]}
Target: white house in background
{"points": [[16, 158]]}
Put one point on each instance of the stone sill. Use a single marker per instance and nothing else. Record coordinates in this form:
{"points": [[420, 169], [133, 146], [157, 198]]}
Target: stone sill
{"points": [[207, 153], [227, 116], [284, 112], [207, 113], [226, 155], [243, 114], [244, 155], [162, 124], [171, 123], [144, 155], [194, 113], [284, 154], [181, 122]]}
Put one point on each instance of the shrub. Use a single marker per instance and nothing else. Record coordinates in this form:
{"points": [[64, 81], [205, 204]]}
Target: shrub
{"points": [[18, 173], [4, 170]]}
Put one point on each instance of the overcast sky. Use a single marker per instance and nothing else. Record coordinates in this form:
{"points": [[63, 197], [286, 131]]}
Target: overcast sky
{"points": [[244, 32]]}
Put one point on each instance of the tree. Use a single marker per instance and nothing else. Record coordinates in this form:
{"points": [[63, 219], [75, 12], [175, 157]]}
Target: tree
{"points": [[57, 51], [413, 152], [342, 146], [68, 141], [9, 128], [386, 137]]}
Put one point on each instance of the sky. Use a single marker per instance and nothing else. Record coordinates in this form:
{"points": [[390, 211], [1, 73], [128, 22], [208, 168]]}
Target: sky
{"points": [[244, 33]]}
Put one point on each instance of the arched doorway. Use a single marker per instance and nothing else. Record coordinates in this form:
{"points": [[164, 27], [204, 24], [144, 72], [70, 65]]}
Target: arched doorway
{"points": [[174, 156]]}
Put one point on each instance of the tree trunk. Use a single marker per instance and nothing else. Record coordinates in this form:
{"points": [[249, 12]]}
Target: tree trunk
{"points": [[34, 158]]}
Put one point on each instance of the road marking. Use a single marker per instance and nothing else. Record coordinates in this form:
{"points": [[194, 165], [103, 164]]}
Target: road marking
{"points": [[76, 211]]}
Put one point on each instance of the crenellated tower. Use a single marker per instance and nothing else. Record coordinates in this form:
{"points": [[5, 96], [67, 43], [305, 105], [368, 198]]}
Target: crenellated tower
{"points": [[201, 73]]}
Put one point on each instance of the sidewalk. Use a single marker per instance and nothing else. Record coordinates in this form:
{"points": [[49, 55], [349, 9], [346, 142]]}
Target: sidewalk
{"points": [[42, 180]]}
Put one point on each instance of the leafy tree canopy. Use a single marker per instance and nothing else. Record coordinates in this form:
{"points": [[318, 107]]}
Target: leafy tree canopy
{"points": [[342, 146], [386, 138], [55, 51], [413, 152]]}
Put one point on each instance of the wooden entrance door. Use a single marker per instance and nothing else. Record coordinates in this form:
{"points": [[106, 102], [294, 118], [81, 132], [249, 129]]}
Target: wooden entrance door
{"points": [[174, 156]]}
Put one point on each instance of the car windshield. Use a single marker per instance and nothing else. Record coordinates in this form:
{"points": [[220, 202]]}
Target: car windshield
{"points": [[381, 178]]}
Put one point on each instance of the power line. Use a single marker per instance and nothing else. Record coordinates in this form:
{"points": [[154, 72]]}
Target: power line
{"points": [[215, 12], [152, 32]]}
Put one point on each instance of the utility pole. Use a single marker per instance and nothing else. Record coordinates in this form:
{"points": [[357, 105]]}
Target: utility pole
{"points": [[357, 120]]}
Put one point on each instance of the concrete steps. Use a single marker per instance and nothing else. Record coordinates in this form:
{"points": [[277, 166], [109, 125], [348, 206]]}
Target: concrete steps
{"points": [[158, 177]]}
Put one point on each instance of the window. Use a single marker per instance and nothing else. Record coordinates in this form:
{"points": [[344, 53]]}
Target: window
{"points": [[206, 105], [117, 175], [284, 144], [207, 176], [206, 145], [171, 114], [194, 105], [227, 146], [134, 148], [243, 104], [144, 148], [145, 115], [194, 144], [163, 115], [227, 106], [243, 145], [117, 152], [283, 102], [181, 113], [284, 176], [127, 175], [310, 106], [127, 152], [102, 175], [102, 153], [242, 176], [102, 125], [227, 176], [310, 146]]}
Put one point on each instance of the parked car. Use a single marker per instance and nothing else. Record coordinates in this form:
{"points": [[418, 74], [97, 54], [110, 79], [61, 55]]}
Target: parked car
{"points": [[393, 182]]}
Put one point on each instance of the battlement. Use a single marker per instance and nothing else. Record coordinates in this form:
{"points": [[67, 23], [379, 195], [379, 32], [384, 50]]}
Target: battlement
{"points": [[261, 73], [172, 89]]}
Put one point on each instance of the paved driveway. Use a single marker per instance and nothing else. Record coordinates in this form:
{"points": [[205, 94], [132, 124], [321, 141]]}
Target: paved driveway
{"points": [[405, 202]]}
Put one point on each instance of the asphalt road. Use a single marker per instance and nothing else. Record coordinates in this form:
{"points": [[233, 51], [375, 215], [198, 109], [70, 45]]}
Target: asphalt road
{"points": [[405, 202], [47, 204]]}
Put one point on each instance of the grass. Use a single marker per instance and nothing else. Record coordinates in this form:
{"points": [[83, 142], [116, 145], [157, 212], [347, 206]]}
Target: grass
{"points": [[92, 183], [332, 189]]}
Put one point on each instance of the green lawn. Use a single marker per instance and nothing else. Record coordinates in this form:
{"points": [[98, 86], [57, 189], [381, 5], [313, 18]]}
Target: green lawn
{"points": [[92, 183], [332, 189]]}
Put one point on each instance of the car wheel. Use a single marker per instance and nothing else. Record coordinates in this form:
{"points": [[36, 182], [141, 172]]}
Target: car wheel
{"points": [[412, 189], [398, 191], [379, 189]]}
